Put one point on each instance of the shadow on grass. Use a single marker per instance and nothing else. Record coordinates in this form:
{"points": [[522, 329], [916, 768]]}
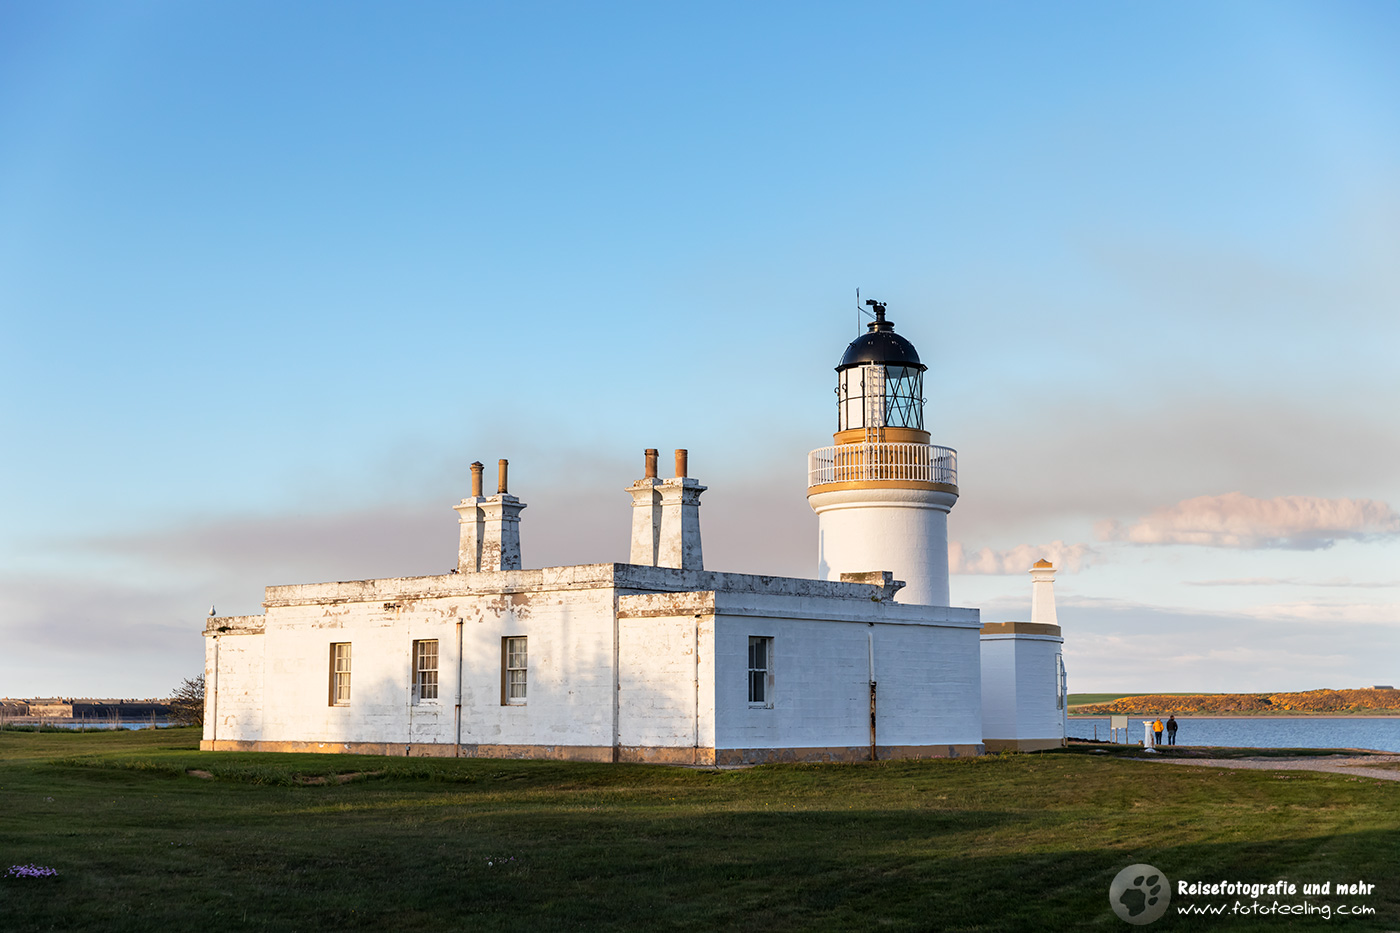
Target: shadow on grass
{"points": [[1022, 842], [630, 871]]}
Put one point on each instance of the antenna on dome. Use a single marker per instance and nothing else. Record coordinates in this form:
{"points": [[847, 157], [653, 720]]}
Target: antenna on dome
{"points": [[860, 310]]}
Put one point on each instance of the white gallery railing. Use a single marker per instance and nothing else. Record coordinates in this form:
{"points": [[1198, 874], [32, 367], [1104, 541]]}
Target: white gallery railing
{"points": [[854, 463]]}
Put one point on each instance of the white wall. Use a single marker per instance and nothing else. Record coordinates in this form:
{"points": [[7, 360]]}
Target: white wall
{"points": [[682, 656], [233, 683], [1037, 674], [999, 687], [666, 665], [569, 696], [927, 680], [901, 530], [1020, 687]]}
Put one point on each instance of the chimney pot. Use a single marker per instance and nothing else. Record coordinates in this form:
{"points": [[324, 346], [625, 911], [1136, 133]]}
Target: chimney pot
{"points": [[501, 483], [477, 469], [651, 463], [681, 456]]}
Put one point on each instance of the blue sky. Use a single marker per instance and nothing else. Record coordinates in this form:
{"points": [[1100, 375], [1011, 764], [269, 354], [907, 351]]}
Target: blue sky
{"points": [[271, 277]]}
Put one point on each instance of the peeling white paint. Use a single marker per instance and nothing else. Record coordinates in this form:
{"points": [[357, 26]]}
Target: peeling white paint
{"points": [[680, 677]]}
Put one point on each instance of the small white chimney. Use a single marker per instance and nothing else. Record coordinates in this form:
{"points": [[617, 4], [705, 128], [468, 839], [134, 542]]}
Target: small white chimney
{"points": [[1043, 593]]}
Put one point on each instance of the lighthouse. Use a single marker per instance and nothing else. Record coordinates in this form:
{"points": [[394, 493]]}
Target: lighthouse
{"points": [[881, 491]]}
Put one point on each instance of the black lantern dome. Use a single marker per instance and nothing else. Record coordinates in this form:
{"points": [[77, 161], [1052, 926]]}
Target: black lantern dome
{"points": [[880, 345]]}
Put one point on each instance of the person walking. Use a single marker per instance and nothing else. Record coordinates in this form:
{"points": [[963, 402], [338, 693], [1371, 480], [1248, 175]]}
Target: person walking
{"points": [[1171, 730], [1157, 732]]}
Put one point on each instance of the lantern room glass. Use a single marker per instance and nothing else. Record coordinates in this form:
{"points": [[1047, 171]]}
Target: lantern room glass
{"points": [[879, 396]]}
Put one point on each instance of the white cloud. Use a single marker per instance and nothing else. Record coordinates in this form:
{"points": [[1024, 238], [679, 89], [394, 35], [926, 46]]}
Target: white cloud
{"points": [[1017, 559], [1032, 477], [1328, 611], [1117, 645], [755, 527], [1236, 520]]}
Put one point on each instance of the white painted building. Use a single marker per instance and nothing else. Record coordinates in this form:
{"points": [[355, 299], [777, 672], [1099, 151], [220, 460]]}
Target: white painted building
{"points": [[658, 659], [1024, 704]]}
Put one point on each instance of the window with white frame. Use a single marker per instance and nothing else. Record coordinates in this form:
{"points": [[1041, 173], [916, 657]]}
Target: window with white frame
{"points": [[425, 670], [340, 674], [760, 670], [514, 663]]}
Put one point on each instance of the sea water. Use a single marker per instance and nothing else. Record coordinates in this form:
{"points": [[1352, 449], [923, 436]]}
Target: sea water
{"points": [[1380, 733]]}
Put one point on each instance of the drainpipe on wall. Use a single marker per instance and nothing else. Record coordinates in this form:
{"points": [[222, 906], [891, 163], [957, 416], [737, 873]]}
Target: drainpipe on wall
{"points": [[457, 715], [214, 700], [412, 686], [616, 684], [870, 647], [695, 755]]}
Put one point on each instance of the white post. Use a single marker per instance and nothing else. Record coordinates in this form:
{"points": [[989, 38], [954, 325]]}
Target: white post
{"points": [[1146, 734]]}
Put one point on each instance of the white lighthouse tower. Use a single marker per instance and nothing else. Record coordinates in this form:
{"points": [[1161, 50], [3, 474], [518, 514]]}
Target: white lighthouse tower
{"points": [[882, 492]]}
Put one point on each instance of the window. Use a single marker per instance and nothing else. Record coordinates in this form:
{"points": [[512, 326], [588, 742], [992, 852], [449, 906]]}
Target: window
{"points": [[425, 670], [513, 666], [1061, 682], [340, 674], [760, 671], [877, 396]]}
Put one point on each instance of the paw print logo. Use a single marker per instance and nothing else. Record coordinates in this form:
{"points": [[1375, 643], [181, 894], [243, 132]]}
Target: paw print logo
{"points": [[1139, 894]]}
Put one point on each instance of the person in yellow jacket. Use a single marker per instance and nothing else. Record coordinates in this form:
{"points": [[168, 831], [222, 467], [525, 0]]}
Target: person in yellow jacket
{"points": [[1157, 732]]}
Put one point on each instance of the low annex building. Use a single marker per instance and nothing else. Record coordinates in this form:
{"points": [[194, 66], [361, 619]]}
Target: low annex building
{"points": [[658, 659]]}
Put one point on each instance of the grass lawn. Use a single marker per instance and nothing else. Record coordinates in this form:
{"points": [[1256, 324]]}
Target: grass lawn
{"points": [[1018, 842]]}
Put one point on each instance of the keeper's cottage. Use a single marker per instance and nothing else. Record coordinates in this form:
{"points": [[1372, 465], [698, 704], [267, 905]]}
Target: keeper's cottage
{"points": [[659, 659]]}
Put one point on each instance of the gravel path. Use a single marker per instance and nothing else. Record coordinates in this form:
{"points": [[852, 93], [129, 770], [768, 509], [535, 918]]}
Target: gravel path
{"points": [[1335, 764]]}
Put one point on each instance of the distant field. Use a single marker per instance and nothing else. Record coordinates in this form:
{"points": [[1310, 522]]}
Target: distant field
{"points": [[1322, 702], [148, 833], [1081, 699]]}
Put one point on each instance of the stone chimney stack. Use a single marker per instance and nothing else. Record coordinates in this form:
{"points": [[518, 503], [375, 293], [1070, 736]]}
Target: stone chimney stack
{"points": [[646, 514], [1043, 593], [666, 518], [469, 521], [678, 542], [490, 527]]}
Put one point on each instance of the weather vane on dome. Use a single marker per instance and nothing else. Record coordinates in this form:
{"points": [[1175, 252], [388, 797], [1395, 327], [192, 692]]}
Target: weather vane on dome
{"points": [[879, 307], [879, 314]]}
